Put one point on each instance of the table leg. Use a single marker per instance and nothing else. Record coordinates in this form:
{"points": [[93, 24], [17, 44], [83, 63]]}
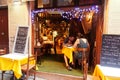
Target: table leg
{"points": [[2, 74]]}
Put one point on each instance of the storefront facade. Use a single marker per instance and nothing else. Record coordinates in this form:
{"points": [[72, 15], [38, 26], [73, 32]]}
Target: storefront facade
{"points": [[21, 15]]}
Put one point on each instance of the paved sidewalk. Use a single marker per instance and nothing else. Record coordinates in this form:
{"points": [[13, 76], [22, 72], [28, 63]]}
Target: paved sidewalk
{"points": [[8, 75], [45, 76]]}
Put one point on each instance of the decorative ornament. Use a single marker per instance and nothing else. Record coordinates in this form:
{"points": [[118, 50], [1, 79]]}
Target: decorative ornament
{"points": [[72, 13]]}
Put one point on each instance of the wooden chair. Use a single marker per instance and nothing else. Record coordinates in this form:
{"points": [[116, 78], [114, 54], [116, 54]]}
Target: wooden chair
{"points": [[40, 53], [3, 51], [30, 65]]}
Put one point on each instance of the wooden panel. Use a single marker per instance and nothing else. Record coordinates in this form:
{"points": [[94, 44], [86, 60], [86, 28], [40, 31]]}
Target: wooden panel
{"points": [[4, 42]]}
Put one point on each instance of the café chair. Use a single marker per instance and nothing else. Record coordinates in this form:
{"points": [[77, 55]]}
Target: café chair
{"points": [[30, 66], [3, 51], [40, 53]]}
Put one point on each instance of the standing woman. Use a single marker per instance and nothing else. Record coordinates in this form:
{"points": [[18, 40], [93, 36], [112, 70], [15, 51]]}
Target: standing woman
{"points": [[82, 47]]}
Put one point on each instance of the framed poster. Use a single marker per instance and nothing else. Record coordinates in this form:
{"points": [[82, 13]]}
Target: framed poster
{"points": [[65, 3], [21, 40], [44, 3], [89, 2]]}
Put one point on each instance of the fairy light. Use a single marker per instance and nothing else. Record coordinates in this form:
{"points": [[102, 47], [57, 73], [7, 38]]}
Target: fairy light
{"points": [[78, 12], [73, 13]]}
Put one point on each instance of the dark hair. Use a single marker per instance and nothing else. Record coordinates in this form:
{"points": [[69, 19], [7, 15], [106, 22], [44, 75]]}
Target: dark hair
{"points": [[71, 35]]}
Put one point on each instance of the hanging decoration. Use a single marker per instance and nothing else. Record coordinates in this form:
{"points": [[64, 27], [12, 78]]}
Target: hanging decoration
{"points": [[72, 13]]}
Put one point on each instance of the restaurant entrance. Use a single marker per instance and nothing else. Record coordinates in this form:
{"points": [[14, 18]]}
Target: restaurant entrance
{"points": [[53, 24]]}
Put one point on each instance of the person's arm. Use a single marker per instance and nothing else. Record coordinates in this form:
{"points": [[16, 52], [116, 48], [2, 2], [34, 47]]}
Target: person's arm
{"points": [[88, 49], [75, 44]]}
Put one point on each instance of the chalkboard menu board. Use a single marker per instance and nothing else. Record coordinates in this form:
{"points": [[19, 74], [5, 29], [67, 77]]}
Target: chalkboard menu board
{"points": [[21, 40], [110, 55]]}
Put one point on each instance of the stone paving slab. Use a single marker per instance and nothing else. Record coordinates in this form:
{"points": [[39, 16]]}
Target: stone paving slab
{"points": [[8, 75]]}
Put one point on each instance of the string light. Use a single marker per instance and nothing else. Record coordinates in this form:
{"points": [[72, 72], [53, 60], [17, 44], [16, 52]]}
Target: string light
{"points": [[73, 13]]}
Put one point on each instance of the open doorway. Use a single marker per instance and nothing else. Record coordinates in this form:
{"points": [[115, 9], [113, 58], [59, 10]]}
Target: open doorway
{"points": [[52, 24]]}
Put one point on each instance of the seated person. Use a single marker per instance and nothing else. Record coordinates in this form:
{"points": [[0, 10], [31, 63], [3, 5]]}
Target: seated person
{"points": [[82, 46], [68, 42], [58, 44]]}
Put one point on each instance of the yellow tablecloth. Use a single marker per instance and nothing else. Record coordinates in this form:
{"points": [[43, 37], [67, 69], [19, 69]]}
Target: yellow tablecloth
{"points": [[13, 62], [107, 73], [68, 51]]}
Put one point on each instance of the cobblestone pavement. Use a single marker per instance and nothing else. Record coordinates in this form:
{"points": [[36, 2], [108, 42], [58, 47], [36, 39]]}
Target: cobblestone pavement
{"points": [[8, 76]]}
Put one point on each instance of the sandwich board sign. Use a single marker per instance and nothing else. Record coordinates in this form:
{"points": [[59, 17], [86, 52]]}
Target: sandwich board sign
{"points": [[21, 40]]}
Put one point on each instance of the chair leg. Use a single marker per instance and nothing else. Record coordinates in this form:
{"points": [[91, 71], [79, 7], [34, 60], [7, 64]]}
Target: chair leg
{"points": [[34, 75], [2, 74], [14, 78], [27, 75]]}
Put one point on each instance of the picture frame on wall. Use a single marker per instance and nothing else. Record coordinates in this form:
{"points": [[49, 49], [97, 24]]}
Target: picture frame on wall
{"points": [[44, 3], [90, 2], [65, 3]]}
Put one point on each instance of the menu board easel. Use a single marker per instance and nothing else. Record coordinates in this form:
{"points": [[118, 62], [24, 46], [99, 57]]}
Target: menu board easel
{"points": [[21, 40]]}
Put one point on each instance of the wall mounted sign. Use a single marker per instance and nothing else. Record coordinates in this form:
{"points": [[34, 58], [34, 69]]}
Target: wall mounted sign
{"points": [[89, 2], [65, 3], [110, 54]]}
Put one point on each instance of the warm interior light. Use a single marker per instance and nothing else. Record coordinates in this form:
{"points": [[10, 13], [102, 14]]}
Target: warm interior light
{"points": [[89, 16]]}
